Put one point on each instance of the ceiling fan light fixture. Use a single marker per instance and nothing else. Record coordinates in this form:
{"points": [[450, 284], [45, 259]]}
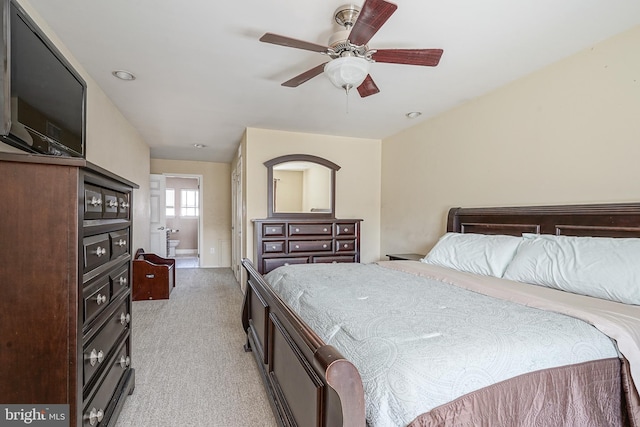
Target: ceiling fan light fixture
{"points": [[348, 49], [347, 72]]}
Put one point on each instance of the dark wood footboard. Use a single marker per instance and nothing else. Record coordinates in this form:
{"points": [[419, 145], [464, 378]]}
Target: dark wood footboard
{"points": [[309, 382]]}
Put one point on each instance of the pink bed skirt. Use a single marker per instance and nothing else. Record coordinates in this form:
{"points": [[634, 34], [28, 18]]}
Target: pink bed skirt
{"points": [[597, 393]]}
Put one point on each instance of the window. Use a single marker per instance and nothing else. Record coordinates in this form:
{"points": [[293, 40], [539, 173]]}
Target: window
{"points": [[170, 202], [189, 203]]}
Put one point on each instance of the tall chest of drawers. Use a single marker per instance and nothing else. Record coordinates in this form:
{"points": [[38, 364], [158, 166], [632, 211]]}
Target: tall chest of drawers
{"points": [[65, 299], [301, 241]]}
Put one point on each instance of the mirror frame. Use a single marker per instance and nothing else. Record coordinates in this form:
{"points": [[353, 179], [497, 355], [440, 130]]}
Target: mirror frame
{"points": [[300, 158]]}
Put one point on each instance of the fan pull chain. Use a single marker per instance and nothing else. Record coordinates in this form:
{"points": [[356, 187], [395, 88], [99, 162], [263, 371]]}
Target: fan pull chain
{"points": [[346, 90]]}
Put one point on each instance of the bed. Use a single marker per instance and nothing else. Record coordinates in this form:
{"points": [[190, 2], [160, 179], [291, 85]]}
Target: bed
{"points": [[311, 382]]}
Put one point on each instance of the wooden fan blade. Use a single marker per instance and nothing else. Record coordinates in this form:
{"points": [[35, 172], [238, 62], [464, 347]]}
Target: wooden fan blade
{"points": [[368, 87], [289, 42], [307, 75], [372, 16], [426, 57]]}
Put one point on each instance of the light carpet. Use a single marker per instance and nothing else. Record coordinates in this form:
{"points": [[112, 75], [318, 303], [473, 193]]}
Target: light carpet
{"points": [[191, 369]]}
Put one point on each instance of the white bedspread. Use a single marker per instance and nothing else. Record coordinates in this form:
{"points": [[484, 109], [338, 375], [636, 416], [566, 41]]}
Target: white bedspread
{"points": [[419, 342]]}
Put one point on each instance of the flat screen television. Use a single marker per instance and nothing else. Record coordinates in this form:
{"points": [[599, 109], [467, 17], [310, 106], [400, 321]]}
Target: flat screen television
{"points": [[43, 98]]}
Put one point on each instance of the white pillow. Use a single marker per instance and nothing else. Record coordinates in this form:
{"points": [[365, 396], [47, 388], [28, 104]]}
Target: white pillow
{"points": [[483, 254], [601, 267]]}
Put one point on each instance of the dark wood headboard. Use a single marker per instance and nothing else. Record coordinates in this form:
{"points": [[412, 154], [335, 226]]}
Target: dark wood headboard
{"points": [[605, 220]]}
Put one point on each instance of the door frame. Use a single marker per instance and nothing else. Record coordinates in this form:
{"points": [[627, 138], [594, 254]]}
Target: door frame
{"points": [[236, 221], [200, 200]]}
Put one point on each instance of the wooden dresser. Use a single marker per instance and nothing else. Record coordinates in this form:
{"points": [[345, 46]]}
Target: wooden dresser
{"points": [[280, 241], [65, 299]]}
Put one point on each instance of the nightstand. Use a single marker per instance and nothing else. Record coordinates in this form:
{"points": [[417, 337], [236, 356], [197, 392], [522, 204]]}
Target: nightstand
{"points": [[405, 257]]}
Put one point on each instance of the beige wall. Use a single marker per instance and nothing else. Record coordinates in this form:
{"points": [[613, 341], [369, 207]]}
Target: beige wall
{"points": [[569, 133], [112, 143], [317, 188], [215, 248], [288, 191], [357, 182]]}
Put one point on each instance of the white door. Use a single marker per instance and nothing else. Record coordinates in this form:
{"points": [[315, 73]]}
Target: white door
{"points": [[158, 220], [236, 226]]}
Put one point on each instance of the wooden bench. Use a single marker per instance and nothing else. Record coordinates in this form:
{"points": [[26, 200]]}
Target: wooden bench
{"points": [[154, 277]]}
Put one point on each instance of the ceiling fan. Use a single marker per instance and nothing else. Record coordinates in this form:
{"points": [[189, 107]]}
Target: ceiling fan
{"points": [[350, 56]]}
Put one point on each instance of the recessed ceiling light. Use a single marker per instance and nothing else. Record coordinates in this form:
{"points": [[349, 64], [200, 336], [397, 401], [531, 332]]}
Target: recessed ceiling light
{"points": [[413, 114], [123, 75], [199, 145]]}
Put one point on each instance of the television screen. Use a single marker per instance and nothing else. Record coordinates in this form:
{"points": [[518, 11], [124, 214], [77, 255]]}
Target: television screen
{"points": [[47, 95]]}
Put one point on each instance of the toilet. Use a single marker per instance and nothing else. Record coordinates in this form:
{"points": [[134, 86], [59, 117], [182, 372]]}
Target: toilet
{"points": [[172, 247]]}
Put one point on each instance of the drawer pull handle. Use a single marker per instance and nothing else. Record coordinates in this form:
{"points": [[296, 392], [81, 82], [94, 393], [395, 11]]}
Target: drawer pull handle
{"points": [[100, 251], [150, 276], [324, 246], [346, 245], [112, 204], [125, 318], [96, 357], [124, 205], [95, 416], [121, 243], [297, 230], [273, 247], [125, 362], [93, 357], [273, 230], [325, 230], [297, 246], [346, 229], [101, 299], [286, 263], [122, 281], [95, 201]]}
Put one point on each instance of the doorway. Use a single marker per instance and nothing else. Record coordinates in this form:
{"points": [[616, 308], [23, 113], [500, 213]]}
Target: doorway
{"points": [[178, 221]]}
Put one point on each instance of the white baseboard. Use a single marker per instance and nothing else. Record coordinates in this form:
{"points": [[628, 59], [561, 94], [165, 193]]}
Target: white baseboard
{"points": [[186, 252]]}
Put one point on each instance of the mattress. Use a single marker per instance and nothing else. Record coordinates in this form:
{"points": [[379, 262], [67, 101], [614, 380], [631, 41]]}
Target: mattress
{"points": [[421, 342]]}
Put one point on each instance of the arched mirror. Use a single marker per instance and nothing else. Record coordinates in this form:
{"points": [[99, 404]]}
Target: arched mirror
{"points": [[301, 185]]}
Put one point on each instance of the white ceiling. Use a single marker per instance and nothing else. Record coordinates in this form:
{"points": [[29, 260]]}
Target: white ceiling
{"points": [[203, 76]]}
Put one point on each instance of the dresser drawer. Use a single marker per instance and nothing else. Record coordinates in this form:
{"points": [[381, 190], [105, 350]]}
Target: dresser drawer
{"points": [[310, 246], [96, 251], [280, 240], [119, 241], [310, 229], [119, 280], [345, 245], [346, 229], [333, 259], [273, 230], [100, 348], [96, 297], [273, 247], [92, 202], [102, 203], [98, 404], [110, 204], [273, 263], [123, 205]]}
